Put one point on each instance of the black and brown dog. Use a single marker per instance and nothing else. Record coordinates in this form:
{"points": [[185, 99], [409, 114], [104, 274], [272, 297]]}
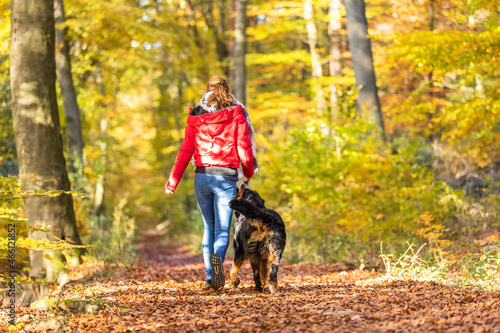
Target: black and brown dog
{"points": [[259, 236]]}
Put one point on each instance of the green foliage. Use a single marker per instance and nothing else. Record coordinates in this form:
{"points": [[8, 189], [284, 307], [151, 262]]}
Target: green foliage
{"points": [[477, 270], [112, 236], [411, 265], [482, 269], [334, 184], [441, 263]]}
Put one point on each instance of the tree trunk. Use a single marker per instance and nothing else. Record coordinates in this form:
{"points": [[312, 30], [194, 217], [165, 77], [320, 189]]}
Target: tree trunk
{"points": [[98, 208], [232, 29], [240, 40], [430, 76], [224, 44], [335, 37], [317, 71], [432, 13], [71, 109], [38, 133], [362, 61]]}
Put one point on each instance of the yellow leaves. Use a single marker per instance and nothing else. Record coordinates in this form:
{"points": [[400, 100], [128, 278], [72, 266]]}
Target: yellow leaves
{"points": [[47, 256], [432, 233], [277, 9], [4, 31], [427, 218], [338, 80], [169, 149], [43, 244], [291, 57]]}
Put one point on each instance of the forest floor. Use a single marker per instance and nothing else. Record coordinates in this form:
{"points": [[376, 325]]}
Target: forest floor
{"points": [[164, 292]]}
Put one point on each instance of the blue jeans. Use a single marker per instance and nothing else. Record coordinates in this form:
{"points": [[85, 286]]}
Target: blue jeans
{"points": [[213, 193]]}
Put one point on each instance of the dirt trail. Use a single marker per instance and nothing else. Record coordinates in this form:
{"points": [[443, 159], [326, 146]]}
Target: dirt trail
{"points": [[166, 291]]}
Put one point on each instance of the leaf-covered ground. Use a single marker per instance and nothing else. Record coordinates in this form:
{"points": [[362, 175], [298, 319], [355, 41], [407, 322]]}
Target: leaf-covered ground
{"points": [[164, 292]]}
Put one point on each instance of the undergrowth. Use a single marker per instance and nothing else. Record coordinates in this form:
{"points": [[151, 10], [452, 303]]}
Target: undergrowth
{"points": [[447, 262], [112, 237]]}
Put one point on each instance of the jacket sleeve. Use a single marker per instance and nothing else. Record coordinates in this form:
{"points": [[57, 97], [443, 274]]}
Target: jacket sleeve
{"points": [[244, 146], [182, 160]]}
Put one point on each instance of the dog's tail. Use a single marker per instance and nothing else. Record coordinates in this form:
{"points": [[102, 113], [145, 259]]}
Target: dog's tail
{"points": [[246, 208]]}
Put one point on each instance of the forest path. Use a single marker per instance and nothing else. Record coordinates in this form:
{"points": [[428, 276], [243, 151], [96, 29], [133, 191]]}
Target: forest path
{"points": [[166, 289]]}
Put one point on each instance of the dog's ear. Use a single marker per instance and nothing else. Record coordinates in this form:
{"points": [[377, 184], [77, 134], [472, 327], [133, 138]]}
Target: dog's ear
{"points": [[243, 187]]}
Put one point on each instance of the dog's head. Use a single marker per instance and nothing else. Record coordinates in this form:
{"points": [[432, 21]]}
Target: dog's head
{"points": [[253, 196]]}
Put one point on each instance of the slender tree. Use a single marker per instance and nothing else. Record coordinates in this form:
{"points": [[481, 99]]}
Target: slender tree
{"points": [[335, 37], [362, 61], [232, 41], [430, 76], [312, 38], [223, 45], [38, 133], [240, 45], [71, 109], [103, 145], [335, 66]]}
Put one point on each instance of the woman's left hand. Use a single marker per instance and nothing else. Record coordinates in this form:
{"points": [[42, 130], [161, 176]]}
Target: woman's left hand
{"points": [[168, 191]]}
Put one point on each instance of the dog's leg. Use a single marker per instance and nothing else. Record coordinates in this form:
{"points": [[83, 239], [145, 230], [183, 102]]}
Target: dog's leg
{"points": [[264, 273], [238, 261], [256, 275], [273, 278]]}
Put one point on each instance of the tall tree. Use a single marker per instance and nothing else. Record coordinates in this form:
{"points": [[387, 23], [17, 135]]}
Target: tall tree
{"points": [[71, 109], [223, 43], [335, 38], [240, 47], [232, 41], [312, 38], [362, 61], [38, 133], [103, 160]]}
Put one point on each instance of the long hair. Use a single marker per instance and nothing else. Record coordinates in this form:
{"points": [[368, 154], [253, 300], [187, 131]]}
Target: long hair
{"points": [[221, 96]]}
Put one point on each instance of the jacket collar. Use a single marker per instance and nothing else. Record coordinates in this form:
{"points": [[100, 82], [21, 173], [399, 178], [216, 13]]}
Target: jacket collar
{"points": [[213, 108], [203, 103], [214, 117]]}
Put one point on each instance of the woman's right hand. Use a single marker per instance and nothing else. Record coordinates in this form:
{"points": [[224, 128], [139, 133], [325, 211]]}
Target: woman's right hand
{"points": [[168, 191]]}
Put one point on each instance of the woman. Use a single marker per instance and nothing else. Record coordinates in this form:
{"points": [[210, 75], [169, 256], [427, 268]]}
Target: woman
{"points": [[219, 138]]}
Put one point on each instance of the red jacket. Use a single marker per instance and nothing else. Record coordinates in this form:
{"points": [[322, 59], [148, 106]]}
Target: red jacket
{"points": [[216, 139]]}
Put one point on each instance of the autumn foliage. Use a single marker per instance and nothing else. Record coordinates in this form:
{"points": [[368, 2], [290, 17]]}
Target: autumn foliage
{"points": [[423, 205]]}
